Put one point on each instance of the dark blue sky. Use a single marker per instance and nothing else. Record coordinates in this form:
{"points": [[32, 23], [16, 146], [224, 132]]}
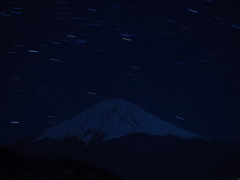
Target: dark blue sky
{"points": [[177, 59]]}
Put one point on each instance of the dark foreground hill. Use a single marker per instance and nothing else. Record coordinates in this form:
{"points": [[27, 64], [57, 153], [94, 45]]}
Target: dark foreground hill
{"points": [[16, 167], [141, 157]]}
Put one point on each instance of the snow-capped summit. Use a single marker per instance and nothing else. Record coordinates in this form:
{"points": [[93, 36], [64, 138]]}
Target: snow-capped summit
{"points": [[113, 119]]}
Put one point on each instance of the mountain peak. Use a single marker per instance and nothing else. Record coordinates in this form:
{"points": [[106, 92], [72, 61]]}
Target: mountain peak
{"points": [[112, 119]]}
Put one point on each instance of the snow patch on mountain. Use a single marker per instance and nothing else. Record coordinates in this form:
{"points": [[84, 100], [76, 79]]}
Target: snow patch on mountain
{"points": [[113, 119]]}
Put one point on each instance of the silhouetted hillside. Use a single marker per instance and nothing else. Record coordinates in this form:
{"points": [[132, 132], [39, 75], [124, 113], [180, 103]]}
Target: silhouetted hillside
{"points": [[16, 167], [141, 156]]}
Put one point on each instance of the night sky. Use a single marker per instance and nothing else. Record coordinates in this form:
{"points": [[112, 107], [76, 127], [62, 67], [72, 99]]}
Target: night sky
{"points": [[177, 59]]}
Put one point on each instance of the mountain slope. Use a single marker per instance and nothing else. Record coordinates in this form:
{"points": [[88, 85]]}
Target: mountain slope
{"points": [[142, 156], [13, 166], [113, 119]]}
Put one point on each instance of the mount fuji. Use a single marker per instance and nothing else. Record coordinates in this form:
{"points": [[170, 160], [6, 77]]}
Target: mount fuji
{"points": [[120, 137], [112, 119]]}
